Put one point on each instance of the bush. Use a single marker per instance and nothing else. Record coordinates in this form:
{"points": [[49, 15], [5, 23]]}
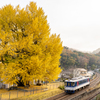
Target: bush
{"points": [[61, 87], [98, 97]]}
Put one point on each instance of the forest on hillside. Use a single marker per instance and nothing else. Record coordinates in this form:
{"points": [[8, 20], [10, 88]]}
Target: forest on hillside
{"points": [[72, 58]]}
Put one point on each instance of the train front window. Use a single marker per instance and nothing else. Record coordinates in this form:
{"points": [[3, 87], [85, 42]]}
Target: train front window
{"points": [[65, 83], [68, 84], [72, 83]]}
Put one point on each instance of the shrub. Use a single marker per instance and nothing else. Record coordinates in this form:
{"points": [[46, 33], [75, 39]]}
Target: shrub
{"points": [[61, 87], [98, 97]]}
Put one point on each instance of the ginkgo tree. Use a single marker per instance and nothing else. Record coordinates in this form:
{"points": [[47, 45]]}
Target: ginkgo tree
{"points": [[27, 50]]}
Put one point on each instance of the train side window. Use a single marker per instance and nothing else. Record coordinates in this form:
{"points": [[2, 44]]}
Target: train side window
{"points": [[80, 82], [84, 81]]}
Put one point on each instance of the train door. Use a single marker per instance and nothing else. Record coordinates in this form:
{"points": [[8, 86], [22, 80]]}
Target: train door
{"points": [[77, 83]]}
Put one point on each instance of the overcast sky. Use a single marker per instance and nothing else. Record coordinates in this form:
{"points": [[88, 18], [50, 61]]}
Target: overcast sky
{"points": [[77, 21]]}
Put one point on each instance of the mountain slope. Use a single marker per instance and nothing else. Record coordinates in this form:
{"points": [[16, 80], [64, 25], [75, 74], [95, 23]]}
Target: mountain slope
{"points": [[96, 51]]}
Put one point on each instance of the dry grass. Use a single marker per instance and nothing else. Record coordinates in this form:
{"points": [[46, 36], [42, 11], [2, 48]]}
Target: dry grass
{"points": [[37, 90], [41, 96], [3, 91]]}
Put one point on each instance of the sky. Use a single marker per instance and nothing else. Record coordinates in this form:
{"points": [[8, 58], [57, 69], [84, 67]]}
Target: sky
{"points": [[77, 21]]}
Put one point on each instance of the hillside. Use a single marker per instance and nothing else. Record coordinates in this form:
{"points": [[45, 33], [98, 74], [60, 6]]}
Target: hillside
{"points": [[74, 58], [96, 51]]}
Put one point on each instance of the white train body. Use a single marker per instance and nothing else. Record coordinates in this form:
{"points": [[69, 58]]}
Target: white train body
{"points": [[76, 83]]}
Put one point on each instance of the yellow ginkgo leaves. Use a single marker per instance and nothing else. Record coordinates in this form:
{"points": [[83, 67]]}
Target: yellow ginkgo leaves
{"points": [[27, 51]]}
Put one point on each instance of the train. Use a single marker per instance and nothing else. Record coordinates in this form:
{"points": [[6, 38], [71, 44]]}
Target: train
{"points": [[76, 83]]}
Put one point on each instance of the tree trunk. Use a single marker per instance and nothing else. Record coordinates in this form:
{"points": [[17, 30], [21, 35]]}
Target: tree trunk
{"points": [[20, 83]]}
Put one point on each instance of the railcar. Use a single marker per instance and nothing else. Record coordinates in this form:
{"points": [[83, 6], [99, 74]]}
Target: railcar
{"points": [[76, 83]]}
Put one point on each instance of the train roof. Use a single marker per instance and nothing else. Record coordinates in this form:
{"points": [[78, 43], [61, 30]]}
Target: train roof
{"points": [[77, 79]]}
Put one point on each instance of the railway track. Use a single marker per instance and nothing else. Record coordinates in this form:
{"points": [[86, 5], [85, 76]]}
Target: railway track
{"points": [[64, 96]]}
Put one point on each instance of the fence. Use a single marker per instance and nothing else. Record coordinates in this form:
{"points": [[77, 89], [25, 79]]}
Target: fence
{"points": [[24, 92]]}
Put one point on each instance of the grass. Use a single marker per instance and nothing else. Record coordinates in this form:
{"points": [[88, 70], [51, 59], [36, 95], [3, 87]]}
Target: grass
{"points": [[37, 91], [98, 97], [61, 87], [3, 91], [41, 96]]}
